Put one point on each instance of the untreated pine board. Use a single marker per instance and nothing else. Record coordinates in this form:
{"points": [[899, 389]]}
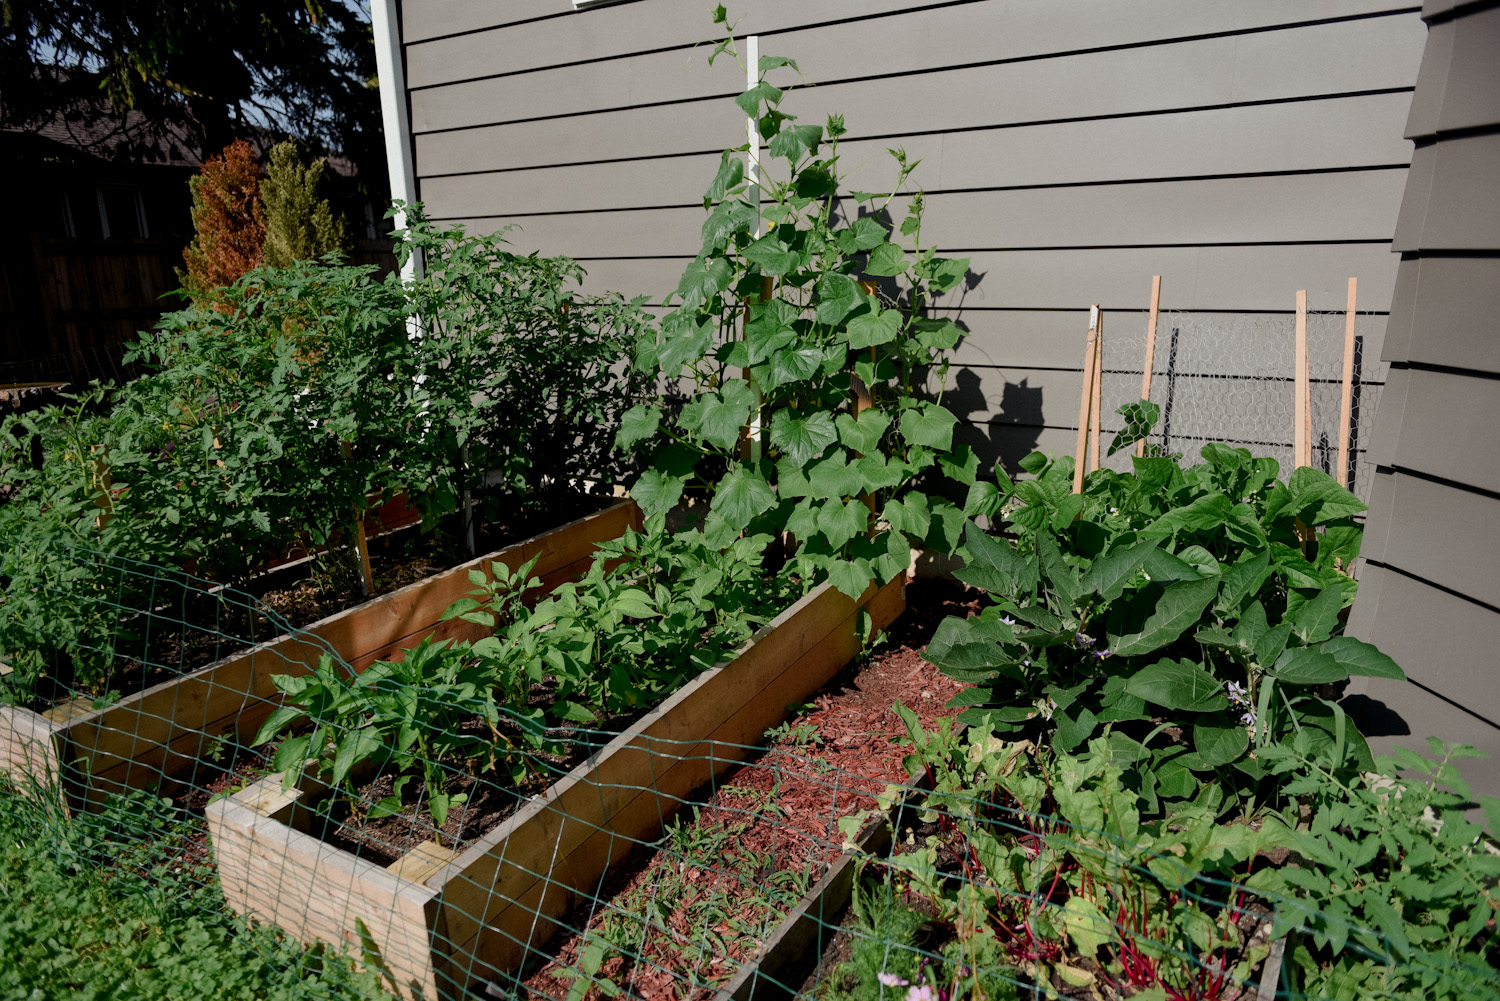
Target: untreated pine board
{"points": [[624, 767], [620, 814], [293, 880], [1159, 78], [132, 741], [1333, 133], [523, 910], [912, 38]]}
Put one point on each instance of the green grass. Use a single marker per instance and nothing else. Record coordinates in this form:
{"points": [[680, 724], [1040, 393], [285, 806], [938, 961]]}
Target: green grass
{"points": [[108, 906]]}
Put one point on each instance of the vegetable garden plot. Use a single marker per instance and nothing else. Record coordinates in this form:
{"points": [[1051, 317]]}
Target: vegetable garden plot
{"points": [[164, 730], [441, 920]]}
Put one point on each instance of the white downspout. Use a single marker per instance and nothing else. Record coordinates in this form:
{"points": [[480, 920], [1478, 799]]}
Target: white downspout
{"points": [[391, 71]]}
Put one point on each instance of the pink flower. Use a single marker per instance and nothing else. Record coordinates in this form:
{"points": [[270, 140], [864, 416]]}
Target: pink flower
{"points": [[890, 980], [921, 993]]}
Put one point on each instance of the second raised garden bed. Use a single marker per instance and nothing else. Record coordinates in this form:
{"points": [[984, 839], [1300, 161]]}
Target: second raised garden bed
{"points": [[439, 922], [162, 731]]}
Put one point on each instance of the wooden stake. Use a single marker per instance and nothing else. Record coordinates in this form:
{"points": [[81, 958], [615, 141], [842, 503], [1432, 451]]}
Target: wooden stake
{"points": [[366, 579], [1301, 437], [1140, 446], [1085, 399], [1098, 386], [1346, 401]]}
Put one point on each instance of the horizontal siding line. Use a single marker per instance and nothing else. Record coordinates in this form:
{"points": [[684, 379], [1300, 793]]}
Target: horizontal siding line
{"points": [[566, 12], [1441, 481], [849, 137], [1437, 694], [1422, 366], [1165, 312], [1433, 584], [1372, 241], [929, 192], [926, 70], [668, 48], [888, 137], [1438, 254]]}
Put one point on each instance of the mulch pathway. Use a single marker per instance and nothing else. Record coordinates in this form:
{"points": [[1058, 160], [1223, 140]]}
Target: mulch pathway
{"points": [[745, 856]]}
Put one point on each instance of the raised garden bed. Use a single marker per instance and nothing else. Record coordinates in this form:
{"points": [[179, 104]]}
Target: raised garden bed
{"points": [[163, 730], [441, 922]]}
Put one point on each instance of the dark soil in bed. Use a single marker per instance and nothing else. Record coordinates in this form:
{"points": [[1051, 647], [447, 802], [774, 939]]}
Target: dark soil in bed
{"points": [[198, 629]]}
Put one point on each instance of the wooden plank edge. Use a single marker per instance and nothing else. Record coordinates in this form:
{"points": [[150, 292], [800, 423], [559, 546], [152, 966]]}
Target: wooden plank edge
{"points": [[89, 732], [631, 820]]}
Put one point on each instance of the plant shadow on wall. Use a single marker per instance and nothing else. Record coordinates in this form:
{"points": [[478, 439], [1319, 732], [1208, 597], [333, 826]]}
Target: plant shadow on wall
{"points": [[1002, 436]]}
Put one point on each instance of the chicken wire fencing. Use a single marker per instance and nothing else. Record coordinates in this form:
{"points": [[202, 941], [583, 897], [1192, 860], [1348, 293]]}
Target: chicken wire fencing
{"points": [[1231, 378], [639, 861]]}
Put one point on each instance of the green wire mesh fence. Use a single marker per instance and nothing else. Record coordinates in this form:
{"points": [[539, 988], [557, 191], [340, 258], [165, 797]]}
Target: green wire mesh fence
{"points": [[403, 830]]}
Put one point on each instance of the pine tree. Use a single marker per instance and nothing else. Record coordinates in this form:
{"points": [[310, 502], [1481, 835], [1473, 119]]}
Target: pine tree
{"points": [[229, 220], [300, 226]]}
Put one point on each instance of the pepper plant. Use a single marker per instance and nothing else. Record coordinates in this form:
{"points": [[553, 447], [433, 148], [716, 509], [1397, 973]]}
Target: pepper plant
{"points": [[807, 351]]}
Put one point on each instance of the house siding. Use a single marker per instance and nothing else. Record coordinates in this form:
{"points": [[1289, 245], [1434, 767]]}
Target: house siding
{"points": [[1072, 150], [1430, 591]]}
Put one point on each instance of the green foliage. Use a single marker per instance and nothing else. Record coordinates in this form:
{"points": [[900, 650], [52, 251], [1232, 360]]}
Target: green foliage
{"points": [[1401, 888], [300, 226], [652, 612], [1390, 891], [834, 308], [1165, 598], [519, 371], [231, 449], [110, 905]]}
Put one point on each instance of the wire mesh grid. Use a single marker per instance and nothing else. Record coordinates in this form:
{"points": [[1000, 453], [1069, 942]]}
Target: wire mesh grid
{"points": [[643, 862], [1231, 379]]}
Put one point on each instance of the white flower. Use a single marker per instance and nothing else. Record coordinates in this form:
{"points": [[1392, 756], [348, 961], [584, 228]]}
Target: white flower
{"points": [[890, 980]]}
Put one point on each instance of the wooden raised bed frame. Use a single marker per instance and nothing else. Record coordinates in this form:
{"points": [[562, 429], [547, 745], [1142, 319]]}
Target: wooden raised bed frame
{"points": [[441, 922], [161, 731]]}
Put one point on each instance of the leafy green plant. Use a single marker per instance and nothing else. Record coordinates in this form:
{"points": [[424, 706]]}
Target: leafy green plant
{"points": [[519, 372], [1400, 887], [844, 444], [112, 905], [1132, 621], [408, 713]]}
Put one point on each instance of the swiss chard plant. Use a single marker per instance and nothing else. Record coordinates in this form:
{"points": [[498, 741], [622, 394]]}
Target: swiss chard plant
{"points": [[806, 342], [1147, 613]]}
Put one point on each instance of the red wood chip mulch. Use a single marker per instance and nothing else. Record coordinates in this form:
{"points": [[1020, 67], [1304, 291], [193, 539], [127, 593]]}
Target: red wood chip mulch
{"points": [[684, 918]]}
